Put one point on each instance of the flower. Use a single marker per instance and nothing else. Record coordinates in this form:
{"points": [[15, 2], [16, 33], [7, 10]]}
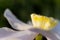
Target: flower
{"points": [[28, 31], [9, 34]]}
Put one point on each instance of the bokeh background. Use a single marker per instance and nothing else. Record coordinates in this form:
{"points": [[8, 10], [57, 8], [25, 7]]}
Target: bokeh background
{"points": [[23, 8]]}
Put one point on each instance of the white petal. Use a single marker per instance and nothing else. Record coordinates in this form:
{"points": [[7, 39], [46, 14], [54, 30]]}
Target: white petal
{"points": [[23, 35], [56, 30], [30, 35], [5, 32], [50, 35], [14, 22]]}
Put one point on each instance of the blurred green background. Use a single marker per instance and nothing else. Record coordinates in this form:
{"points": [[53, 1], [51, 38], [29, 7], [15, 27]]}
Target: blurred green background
{"points": [[23, 8]]}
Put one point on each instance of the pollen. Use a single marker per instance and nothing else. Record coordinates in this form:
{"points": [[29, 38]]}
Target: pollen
{"points": [[43, 22]]}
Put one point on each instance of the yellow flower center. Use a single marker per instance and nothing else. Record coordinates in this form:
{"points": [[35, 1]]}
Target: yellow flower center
{"points": [[43, 22]]}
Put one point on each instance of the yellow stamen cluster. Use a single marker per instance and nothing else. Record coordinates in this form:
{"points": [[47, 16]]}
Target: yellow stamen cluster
{"points": [[43, 22]]}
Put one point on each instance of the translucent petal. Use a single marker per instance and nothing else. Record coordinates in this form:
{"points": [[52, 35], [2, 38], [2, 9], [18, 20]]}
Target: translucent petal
{"points": [[50, 35], [6, 32], [23, 35], [14, 22]]}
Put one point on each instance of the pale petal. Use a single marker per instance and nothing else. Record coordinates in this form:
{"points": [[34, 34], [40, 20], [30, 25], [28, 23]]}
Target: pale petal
{"points": [[50, 35], [6, 32], [23, 35], [14, 22], [56, 30], [31, 34]]}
